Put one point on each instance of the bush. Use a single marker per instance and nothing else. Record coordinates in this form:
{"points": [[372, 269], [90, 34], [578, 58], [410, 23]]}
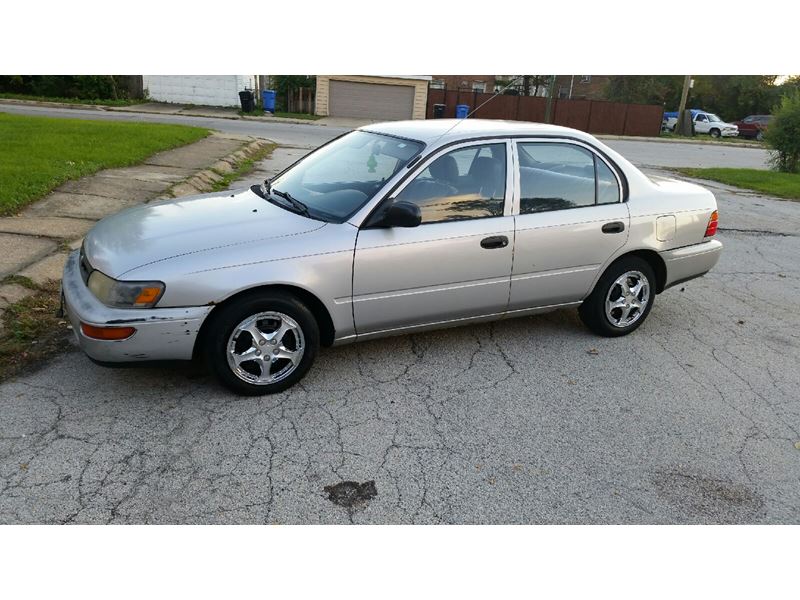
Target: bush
{"points": [[783, 134], [87, 87]]}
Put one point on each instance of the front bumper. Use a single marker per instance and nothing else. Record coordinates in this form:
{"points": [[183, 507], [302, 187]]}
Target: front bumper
{"points": [[690, 261], [729, 132], [161, 333]]}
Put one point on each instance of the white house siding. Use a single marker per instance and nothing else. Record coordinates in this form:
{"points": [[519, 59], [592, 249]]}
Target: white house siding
{"points": [[207, 90]]}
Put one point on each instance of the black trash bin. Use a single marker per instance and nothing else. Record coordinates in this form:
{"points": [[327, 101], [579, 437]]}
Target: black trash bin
{"points": [[248, 101], [438, 111]]}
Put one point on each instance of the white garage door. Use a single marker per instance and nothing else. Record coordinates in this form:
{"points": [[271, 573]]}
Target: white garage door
{"points": [[370, 100]]}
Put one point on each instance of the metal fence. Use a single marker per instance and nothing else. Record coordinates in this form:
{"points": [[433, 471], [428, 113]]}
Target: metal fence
{"points": [[592, 116]]}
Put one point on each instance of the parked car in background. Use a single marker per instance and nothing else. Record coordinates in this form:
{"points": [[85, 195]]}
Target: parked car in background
{"points": [[753, 126], [704, 122], [390, 229]]}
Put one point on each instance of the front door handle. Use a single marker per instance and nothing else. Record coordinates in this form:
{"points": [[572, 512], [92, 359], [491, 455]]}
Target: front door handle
{"points": [[614, 227], [495, 241]]}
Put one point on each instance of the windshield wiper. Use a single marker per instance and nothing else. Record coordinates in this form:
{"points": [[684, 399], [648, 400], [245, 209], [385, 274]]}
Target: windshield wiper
{"points": [[299, 207]]}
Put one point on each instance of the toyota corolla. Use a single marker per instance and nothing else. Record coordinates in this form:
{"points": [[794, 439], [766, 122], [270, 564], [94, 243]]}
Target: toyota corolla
{"points": [[389, 229]]}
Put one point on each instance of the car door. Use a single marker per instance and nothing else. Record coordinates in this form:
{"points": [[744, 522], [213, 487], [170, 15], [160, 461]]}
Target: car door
{"points": [[571, 219], [701, 124], [457, 263]]}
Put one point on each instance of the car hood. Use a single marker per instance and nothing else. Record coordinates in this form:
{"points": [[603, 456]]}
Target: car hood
{"points": [[154, 232]]}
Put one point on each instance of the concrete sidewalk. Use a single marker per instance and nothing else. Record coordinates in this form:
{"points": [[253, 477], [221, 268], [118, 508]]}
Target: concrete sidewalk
{"points": [[35, 243]]}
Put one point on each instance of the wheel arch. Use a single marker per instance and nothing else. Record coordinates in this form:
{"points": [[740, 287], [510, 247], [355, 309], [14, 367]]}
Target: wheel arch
{"points": [[323, 317], [655, 261]]}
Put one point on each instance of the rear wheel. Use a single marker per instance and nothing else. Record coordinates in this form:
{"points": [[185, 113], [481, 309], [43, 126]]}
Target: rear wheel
{"points": [[622, 298], [262, 344], [760, 136]]}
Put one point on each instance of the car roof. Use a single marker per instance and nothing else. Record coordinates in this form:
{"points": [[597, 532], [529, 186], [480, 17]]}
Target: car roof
{"points": [[431, 131]]}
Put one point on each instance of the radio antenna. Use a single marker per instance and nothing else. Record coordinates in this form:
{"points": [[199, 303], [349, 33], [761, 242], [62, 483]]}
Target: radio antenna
{"points": [[492, 97]]}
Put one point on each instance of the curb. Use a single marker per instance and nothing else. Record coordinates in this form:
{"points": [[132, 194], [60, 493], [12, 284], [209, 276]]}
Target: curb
{"points": [[15, 101], [630, 138], [126, 109], [203, 181]]}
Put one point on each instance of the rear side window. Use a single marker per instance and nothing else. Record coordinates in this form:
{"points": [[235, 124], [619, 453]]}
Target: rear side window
{"points": [[607, 186], [562, 176]]}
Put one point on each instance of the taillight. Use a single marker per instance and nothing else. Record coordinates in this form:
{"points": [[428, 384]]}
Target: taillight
{"points": [[711, 229]]}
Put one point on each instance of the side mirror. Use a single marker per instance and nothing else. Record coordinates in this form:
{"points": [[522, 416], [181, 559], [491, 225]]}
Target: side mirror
{"points": [[401, 214]]}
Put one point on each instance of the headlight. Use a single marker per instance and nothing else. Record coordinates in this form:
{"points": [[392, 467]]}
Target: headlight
{"points": [[125, 294]]}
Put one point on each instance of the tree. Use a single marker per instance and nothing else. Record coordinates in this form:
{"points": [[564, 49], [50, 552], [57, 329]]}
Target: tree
{"points": [[734, 97], [646, 89], [783, 134], [730, 96], [285, 84]]}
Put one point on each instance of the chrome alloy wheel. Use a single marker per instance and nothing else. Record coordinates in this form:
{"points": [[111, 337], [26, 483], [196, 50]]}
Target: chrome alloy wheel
{"points": [[627, 299], [265, 348]]}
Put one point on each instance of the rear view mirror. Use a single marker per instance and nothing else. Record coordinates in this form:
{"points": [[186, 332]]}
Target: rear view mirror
{"points": [[401, 214]]}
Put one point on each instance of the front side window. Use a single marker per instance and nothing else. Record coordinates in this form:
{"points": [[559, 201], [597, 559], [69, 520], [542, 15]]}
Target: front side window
{"points": [[468, 183], [561, 176], [701, 118], [339, 178]]}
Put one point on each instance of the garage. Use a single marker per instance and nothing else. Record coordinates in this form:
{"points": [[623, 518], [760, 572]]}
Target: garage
{"points": [[371, 100], [378, 98]]}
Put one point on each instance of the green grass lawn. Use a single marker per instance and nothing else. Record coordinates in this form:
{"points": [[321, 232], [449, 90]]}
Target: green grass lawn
{"points": [[288, 115], [782, 185], [37, 154], [108, 102], [707, 139]]}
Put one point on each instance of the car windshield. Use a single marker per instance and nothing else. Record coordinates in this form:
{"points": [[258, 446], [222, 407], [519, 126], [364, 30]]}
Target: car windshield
{"points": [[339, 178], [714, 118]]}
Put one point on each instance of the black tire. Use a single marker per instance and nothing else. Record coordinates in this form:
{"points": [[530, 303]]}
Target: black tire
{"points": [[715, 133], [760, 136], [226, 318], [593, 310]]}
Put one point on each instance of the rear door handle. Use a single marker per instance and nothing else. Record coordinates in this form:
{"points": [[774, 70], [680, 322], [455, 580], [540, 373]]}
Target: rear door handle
{"points": [[614, 227], [495, 241]]}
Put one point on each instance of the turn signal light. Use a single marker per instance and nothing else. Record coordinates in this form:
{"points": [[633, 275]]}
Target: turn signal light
{"points": [[107, 333], [711, 229], [147, 296]]}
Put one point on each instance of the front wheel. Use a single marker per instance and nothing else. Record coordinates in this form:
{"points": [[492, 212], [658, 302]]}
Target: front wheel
{"points": [[760, 136], [715, 133], [622, 298], [261, 343]]}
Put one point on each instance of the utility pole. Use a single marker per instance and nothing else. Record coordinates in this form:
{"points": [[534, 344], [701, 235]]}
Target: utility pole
{"points": [[684, 125], [548, 113]]}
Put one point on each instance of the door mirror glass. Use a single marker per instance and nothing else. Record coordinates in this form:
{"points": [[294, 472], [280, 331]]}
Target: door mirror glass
{"points": [[401, 214]]}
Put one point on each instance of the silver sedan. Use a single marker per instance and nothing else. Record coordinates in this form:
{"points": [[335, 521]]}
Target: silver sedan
{"points": [[392, 228]]}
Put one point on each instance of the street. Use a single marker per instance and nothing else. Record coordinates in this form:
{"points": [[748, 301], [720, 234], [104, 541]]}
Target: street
{"points": [[641, 153], [694, 418]]}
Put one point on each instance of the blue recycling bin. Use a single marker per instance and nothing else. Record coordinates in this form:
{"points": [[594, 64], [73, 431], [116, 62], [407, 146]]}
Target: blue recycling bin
{"points": [[462, 110], [268, 100]]}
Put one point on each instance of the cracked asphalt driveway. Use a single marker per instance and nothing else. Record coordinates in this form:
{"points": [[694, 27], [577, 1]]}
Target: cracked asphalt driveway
{"points": [[695, 418]]}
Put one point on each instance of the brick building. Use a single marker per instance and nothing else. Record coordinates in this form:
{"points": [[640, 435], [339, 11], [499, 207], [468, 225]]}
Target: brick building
{"points": [[480, 83], [581, 87]]}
